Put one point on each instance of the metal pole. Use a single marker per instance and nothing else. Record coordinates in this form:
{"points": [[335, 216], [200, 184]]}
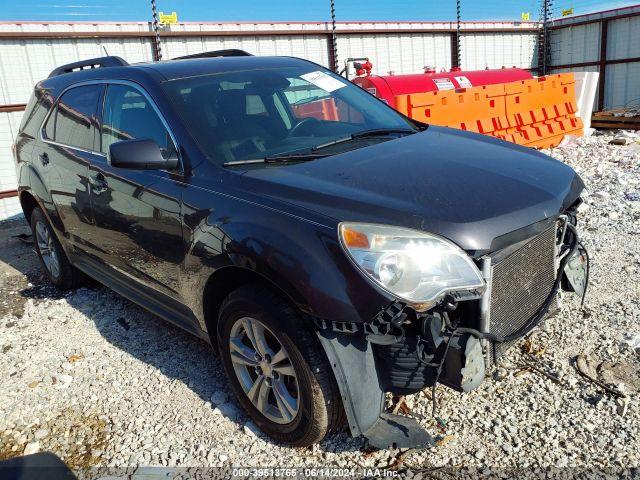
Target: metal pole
{"points": [[458, 56], [602, 63], [333, 36], [156, 29], [544, 36], [545, 17]]}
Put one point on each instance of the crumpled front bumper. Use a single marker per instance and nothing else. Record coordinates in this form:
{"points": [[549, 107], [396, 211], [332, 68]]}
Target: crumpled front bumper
{"points": [[455, 357], [354, 367]]}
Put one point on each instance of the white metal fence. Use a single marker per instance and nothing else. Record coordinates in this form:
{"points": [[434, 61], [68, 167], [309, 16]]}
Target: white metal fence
{"points": [[606, 42], [30, 50]]}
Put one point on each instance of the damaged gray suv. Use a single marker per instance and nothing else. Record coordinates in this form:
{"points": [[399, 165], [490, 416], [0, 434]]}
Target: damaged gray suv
{"points": [[329, 248]]}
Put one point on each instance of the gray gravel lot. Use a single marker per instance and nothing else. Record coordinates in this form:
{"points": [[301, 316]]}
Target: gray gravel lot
{"points": [[100, 382]]}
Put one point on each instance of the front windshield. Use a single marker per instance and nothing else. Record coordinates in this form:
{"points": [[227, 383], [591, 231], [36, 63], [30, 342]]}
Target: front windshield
{"points": [[258, 113]]}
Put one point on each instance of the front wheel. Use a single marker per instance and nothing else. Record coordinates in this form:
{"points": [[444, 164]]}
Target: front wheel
{"points": [[285, 386]]}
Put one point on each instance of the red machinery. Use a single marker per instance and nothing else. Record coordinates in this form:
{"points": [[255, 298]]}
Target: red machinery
{"points": [[388, 86]]}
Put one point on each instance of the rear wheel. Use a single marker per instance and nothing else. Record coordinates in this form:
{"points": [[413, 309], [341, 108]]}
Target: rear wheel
{"points": [[285, 385], [54, 260]]}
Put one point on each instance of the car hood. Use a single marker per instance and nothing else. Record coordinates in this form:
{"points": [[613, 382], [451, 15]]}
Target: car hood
{"points": [[475, 190]]}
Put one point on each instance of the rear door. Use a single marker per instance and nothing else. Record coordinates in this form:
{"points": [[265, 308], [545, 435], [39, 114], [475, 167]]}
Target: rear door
{"points": [[138, 227], [68, 148]]}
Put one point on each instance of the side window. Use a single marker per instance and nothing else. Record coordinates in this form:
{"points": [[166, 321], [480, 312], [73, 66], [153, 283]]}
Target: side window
{"points": [[255, 106], [282, 111], [36, 110], [50, 127], [307, 100], [74, 117], [128, 115]]}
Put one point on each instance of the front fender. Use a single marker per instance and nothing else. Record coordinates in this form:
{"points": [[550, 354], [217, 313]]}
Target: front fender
{"points": [[303, 258]]}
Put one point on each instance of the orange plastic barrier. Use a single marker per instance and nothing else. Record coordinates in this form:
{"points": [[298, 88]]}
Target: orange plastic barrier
{"points": [[536, 113], [479, 109], [321, 109], [542, 110]]}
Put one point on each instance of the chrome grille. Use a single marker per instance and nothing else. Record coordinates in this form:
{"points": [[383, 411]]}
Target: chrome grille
{"points": [[521, 282]]}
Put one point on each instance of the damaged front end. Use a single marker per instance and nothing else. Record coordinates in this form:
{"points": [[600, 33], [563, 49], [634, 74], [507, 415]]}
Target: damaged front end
{"points": [[407, 347]]}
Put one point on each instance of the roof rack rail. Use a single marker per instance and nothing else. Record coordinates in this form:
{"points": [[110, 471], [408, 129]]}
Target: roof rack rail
{"points": [[232, 52], [99, 62]]}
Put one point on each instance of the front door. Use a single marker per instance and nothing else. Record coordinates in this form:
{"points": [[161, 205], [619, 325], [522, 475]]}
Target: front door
{"points": [[137, 212]]}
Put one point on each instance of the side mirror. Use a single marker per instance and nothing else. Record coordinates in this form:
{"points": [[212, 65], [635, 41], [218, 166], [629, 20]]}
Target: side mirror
{"points": [[141, 154]]}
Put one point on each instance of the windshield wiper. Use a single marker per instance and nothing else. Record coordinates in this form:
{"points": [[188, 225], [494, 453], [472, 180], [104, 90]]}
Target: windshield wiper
{"points": [[305, 157], [374, 132], [284, 158], [293, 157]]}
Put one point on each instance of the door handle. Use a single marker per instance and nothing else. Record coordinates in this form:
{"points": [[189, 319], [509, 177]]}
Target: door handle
{"points": [[44, 159], [99, 184]]}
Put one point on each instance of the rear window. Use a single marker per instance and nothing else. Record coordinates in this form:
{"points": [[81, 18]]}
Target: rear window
{"points": [[73, 121], [37, 108]]}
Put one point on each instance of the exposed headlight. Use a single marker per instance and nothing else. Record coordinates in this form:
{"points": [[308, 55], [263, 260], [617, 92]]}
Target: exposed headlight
{"points": [[417, 267]]}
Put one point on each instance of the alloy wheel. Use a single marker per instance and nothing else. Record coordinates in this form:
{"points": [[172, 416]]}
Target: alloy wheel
{"points": [[47, 249], [264, 369]]}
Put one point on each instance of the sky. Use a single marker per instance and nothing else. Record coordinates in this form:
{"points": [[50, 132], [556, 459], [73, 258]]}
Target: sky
{"points": [[298, 10]]}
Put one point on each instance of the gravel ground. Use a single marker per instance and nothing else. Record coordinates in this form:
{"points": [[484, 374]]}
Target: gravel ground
{"points": [[101, 383]]}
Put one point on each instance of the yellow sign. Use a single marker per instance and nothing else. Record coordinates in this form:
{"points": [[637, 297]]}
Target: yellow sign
{"points": [[526, 16], [168, 19], [567, 12]]}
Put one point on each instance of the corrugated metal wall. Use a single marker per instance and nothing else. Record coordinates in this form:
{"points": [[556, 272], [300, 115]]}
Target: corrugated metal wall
{"points": [[310, 47], [623, 85], [578, 45], [623, 38], [25, 61], [575, 44], [495, 50], [9, 123], [623, 80], [398, 47], [406, 53]]}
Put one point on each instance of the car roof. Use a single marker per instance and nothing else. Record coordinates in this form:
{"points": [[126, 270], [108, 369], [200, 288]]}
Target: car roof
{"points": [[171, 70], [175, 69]]}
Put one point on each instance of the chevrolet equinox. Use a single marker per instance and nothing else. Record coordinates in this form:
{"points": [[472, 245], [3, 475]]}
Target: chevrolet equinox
{"points": [[329, 248]]}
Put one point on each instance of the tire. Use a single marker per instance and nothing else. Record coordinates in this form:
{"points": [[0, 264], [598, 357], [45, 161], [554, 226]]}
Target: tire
{"points": [[319, 407], [65, 276]]}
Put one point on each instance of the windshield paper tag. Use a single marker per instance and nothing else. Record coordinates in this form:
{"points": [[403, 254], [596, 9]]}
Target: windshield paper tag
{"points": [[444, 84], [463, 82], [323, 81]]}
